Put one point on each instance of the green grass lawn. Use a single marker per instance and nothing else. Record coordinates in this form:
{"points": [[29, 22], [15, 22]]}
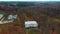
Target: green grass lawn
{"points": [[33, 31]]}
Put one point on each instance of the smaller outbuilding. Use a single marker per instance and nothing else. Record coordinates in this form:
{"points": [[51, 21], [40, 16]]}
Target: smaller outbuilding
{"points": [[32, 24]]}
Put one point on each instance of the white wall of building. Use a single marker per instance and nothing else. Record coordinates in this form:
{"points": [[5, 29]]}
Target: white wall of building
{"points": [[31, 24]]}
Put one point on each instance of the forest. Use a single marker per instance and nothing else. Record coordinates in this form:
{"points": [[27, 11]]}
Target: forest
{"points": [[47, 15]]}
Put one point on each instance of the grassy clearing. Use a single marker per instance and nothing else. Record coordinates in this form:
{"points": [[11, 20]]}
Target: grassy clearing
{"points": [[32, 31]]}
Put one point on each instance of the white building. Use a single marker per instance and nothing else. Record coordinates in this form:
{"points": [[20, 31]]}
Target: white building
{"points": [[31, 24], [12, 17], [3, 22]]}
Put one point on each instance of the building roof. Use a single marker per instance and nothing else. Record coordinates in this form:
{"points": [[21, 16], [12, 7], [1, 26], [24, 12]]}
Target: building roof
{"points": [[1, 15], [31, 24]]}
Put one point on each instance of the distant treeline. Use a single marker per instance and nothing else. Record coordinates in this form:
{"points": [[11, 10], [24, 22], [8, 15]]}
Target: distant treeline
{"points": [[28, 3], [18, 3]]}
